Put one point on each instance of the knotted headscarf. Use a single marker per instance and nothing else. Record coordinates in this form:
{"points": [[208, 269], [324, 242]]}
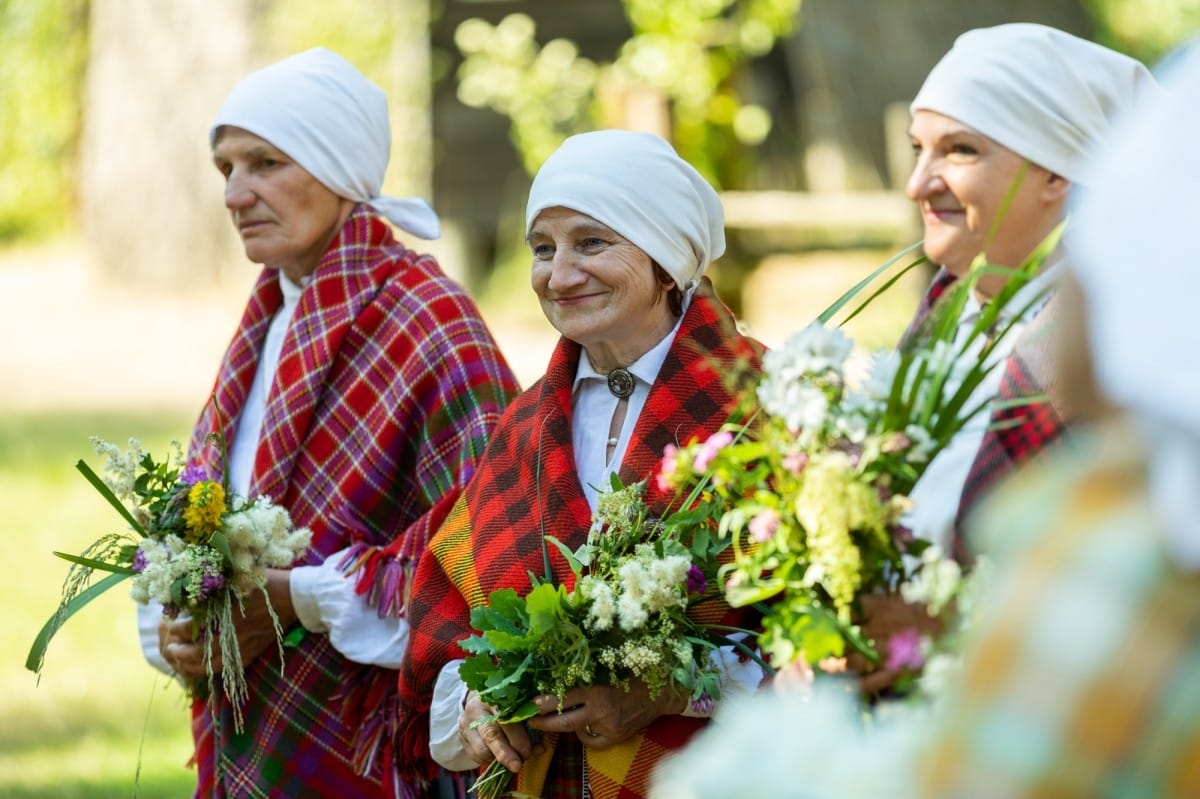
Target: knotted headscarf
{"points": [[636, 184], [1134, 236], [1046, 95], [319, 110]]}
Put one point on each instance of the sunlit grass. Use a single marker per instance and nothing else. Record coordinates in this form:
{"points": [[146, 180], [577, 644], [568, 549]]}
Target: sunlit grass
{"points": [[76, 732]]}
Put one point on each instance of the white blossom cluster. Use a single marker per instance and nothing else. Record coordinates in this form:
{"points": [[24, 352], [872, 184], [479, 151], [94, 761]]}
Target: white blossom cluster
{"points": [[788, 389], [169, 560], [260, 536], [646, 585]]}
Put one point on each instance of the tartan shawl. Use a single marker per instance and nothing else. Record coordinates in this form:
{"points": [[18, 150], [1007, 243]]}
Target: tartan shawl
{"points": [[527, 485], [388, 387], [1014, 434]]}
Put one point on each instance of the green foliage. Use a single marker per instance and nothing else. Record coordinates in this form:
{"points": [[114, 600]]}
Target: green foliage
{"points": [[41, 87], [92, 711], [686, 52], [1145, 29]]}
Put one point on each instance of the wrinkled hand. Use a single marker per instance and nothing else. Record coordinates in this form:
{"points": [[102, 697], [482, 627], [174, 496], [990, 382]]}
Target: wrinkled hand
{"points": [[181, 644], [603, 716], [508, 743], [884, 616]]}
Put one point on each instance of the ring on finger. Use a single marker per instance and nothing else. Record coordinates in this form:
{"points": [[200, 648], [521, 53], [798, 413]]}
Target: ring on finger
{"points": [[588, 729]]}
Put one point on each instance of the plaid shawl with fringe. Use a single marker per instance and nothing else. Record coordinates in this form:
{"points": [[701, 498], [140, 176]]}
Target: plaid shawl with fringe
{"points": [[388, 387], [1015, 434], [527, 485]]}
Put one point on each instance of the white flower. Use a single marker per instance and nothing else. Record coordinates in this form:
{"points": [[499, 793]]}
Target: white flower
{"points": [[813, 350], [881, 375], [935, 583], [603, 607]]}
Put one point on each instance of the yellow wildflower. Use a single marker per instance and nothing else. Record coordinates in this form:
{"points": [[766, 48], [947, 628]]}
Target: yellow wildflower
{"points": [[206, 506]]}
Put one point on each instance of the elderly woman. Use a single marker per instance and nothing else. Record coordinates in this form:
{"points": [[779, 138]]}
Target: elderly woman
{"points": [[1081, 679], [358, 391], [621, 231], [1003, 128]]}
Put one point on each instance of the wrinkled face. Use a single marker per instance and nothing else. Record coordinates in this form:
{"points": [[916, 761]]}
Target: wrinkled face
{"points": [[285, 216], [961, 181], [597, 288]]}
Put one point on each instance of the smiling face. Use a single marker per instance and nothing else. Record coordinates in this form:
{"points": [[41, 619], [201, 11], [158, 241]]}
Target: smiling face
{"points": [[961, 181], [285, 216], [597, 288]]}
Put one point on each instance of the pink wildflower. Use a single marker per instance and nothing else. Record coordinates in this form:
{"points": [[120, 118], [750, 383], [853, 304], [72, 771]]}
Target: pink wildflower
{"points": [[795, 462], [666, 469], [764, 525], [904, 651], [710, 448]]}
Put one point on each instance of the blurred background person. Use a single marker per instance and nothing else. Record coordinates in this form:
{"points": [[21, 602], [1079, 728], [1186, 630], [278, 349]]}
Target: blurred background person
{"points": [[1002, 129], [621, 230], [1081, 680], [358, 391], [1079, 677]]}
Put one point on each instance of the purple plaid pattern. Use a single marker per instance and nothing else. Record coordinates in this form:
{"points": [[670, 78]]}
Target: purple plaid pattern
{"points": [[389, 385]]}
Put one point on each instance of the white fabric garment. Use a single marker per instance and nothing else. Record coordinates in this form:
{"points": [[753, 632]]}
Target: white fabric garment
{"points": [[937, 494], [322, 112], [592, 413], [322, 596], [1134, 231], [637, 185], [1044, 94]]}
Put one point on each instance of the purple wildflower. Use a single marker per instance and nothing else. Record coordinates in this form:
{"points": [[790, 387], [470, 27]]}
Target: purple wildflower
{"points": [[193, 474], [139, 561], [764, 524], [696, 584], [904, 650], [704, 705], [210, 584]]}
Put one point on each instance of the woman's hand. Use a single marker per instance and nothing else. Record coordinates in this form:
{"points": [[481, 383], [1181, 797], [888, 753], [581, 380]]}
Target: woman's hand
{"points": [[508, 743], [181, 643], [605, 715], [884, 617]]}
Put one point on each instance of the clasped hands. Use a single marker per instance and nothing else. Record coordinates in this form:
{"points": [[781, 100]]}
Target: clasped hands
{"points": [[601, 716], [182, 646]]}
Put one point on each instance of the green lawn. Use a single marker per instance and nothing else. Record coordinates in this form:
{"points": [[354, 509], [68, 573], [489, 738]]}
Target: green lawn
{"points": [[77, 731]]}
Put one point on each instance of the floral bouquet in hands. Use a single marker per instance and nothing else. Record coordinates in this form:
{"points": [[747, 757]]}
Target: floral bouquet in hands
{"points": [[813, 494], [192, 547], [625, 618]]}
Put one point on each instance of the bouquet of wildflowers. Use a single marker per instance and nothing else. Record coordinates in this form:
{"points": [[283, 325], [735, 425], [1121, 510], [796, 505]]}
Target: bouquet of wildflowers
{"points": [[192, 547], [626, 617], [813, 495]]}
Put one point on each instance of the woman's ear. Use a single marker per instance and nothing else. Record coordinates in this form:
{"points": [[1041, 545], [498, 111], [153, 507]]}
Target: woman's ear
{"points": [[1055, 187]]}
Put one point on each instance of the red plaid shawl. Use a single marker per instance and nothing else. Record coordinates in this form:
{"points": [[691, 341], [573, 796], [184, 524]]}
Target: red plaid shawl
{"points": [[1014, 434], [527, 483], [388, 387]]}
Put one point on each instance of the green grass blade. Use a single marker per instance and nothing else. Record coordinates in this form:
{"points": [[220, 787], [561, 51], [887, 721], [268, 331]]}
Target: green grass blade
{"points": [[96, 564], [853, 291], [107, 493], [37, 653]]}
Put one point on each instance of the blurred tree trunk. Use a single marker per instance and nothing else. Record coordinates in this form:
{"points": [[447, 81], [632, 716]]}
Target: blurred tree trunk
{"points": [[150, 201], [852, 59]]}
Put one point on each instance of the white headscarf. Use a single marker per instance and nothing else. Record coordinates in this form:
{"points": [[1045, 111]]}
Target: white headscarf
{"points": [[1044, 94], [319, 110], [636, 184], [1134, 235]]}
